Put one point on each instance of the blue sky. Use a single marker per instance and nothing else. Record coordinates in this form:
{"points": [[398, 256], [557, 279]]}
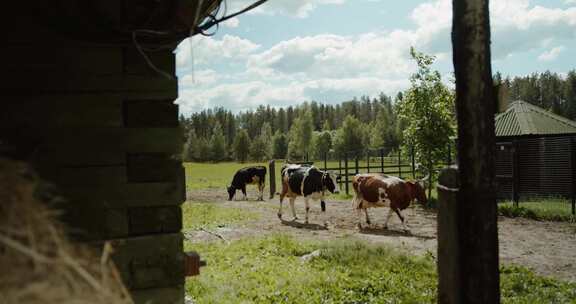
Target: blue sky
{"points": [[290, 51]]}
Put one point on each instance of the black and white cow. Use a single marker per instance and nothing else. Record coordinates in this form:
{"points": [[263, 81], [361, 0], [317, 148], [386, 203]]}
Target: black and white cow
{"points": [[245, 176], [307, 181]]}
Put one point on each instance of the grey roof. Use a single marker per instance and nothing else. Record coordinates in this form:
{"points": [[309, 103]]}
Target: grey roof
{"points": [[522, 118]]}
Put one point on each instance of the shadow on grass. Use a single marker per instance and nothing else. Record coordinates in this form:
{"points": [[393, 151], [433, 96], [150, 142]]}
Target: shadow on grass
{"points": [[299, 225], [387, 232]]}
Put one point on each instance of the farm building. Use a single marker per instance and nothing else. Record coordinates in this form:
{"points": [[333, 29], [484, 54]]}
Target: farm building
{"points": [[87, 99], [535, 152]]}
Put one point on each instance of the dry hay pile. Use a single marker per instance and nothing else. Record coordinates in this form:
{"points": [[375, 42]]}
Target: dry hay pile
{"points": [[38, 264]]}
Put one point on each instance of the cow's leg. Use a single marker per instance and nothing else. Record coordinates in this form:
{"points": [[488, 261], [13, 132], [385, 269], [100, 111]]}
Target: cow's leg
{"points": [[388, 218], [307, 204], [367, 216], [294, 217], [357, 206], [261, 188], [359, 217], [281, 199], [244, 192], [323, 207], [402, 219]]}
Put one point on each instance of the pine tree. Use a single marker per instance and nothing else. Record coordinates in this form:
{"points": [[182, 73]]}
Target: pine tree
{"points": [[279, 145], [241, 146], [217, 144], [258, 149], [190, 147]]}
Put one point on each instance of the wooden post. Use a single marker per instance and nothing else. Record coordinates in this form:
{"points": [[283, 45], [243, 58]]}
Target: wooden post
{"points": [[382, 160], [368, 161], [413, 162], [515, 173], [448, 238], [346, 173], [399, 163], [356, 163], [325, 161], [449, 160], [272, 169], [573, 168], [476, 212]]}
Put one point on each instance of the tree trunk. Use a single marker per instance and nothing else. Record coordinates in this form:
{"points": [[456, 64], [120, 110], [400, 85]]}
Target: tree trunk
{"points": [[475, 105]]}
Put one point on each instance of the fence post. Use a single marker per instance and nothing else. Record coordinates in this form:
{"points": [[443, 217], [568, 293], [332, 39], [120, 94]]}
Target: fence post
{"points": [[382, 159], [413, 162], [449, 250], [449, 154], [325, 160], [573, 167], [346, 172], [356, 163], [368, 160], [272, 168], [399, 163], [515, 173]]}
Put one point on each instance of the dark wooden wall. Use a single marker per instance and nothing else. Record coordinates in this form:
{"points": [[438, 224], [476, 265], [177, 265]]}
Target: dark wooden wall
{"points": [[100, 125]]}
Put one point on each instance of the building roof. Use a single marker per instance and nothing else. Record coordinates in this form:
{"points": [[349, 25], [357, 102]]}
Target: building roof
{"points": [[522, 118]]}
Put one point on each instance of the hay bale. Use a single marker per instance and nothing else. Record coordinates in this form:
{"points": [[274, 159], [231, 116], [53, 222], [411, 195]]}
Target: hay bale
{"points": [[38, 263]]}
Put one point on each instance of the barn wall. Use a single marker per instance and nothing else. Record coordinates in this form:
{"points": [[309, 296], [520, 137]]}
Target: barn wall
{"points": [[101, 126]]}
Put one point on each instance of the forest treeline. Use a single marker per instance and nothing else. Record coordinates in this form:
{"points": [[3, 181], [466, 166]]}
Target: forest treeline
{"points": [[312, 129]]}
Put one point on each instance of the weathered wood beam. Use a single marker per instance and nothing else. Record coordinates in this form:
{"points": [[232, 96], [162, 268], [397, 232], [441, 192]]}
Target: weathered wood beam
{"points": [[477, 211]]}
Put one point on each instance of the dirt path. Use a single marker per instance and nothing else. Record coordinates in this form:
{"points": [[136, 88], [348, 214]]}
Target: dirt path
{"points": [[549, 248]]}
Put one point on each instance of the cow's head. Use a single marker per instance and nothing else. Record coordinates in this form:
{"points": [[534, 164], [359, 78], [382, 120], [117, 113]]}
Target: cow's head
{"points": [[418, 191], [329, 182], [231, 191]]}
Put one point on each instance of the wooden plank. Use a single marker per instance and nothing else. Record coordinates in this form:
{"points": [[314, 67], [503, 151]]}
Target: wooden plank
{"points": [[150, 113], [152, 261], [94, 176], [95, 224], [123, 195], [136, 140], [82, 110], [63, 60], [135, 64], [166, 295], [152, 220], [151, 167], [51, 81]]}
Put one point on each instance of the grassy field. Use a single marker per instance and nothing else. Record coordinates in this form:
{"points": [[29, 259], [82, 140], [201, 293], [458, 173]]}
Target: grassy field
{"points": [[272, 269], [207, 215], [549, 210]]}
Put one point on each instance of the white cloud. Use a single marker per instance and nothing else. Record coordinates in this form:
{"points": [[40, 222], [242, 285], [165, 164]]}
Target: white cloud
{"points": [[198, 78], [333, 68], [551, 54], [232, 22], [517, 26], [250, 94], [294, 8], [206, 50], [383, 54], [570, 1]]}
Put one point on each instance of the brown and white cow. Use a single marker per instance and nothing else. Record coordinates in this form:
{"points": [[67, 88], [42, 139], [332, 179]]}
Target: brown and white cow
{"points": [[377, 190]]}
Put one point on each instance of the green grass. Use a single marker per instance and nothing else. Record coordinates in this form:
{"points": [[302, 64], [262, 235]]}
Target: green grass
{"points": [[212, 175], [270, 270], [196, 215], [547, 210]]}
